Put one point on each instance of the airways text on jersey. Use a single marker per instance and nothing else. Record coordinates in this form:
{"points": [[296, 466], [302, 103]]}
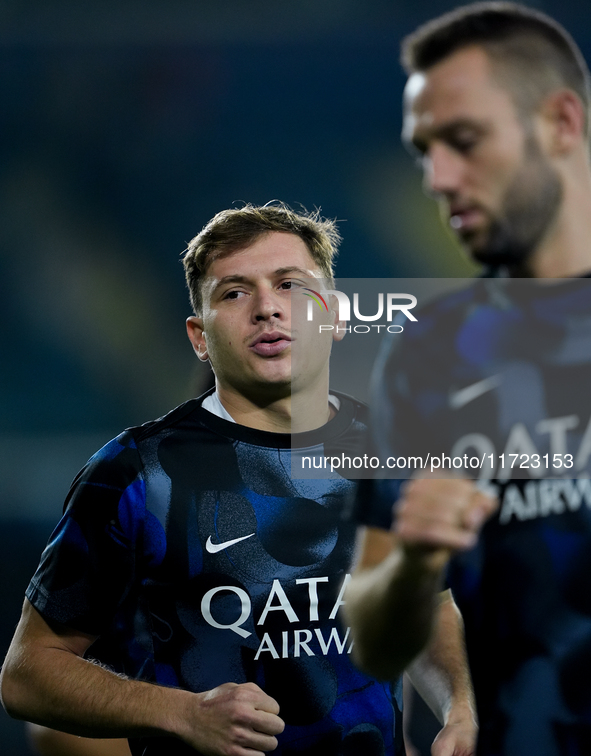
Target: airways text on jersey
{"points": [[535, 468], [238, 616]]}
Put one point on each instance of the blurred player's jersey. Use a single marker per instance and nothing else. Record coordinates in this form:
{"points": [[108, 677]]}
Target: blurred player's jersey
{"points": [[504, 368], [190, 550]]}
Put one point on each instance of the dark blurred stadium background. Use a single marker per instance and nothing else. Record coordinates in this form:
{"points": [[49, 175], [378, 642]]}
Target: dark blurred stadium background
{"points": [[125, 125]]}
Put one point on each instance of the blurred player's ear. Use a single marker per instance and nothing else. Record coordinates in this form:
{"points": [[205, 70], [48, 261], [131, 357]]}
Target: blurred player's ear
{"points": [[196, 336], [563, 116]]}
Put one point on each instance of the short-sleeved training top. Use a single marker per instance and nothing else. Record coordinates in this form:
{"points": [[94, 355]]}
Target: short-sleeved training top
{"points": [[501, 368], [189, 549]]}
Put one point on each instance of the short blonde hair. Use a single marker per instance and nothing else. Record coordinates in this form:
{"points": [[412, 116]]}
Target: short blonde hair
{"points": [[231, 230]]}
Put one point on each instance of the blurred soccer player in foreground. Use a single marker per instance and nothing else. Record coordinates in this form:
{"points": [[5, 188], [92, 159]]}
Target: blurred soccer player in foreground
{"points": [[497, 108]]}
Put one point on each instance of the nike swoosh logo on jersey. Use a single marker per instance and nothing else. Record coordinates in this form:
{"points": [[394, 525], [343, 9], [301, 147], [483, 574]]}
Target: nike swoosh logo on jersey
{"points": [[459, 399], [213, 548]]}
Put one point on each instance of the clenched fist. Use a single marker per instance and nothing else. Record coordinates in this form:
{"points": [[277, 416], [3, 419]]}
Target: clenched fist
{"points": [[441, 515], [234, 720]]}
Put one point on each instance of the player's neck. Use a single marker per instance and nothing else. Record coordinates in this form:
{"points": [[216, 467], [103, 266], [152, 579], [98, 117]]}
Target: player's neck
{"points": [[293, 413], [565, 252]]}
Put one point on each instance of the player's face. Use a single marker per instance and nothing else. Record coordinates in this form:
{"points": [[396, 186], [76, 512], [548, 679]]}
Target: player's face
{"points": [[247, 327], [496, 188]]}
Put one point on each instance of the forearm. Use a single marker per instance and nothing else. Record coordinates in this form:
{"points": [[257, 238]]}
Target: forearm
{"points": [[391, 608], [440, 674], [393, 596], [58, 689], [46, 680]]}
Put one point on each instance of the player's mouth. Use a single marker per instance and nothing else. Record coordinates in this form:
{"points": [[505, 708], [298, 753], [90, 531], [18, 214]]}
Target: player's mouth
{"points": [[465, 219], [270, 343]]}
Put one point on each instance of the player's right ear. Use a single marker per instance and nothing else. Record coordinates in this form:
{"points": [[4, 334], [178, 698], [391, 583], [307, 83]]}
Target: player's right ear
{"points": [[196, 336]]}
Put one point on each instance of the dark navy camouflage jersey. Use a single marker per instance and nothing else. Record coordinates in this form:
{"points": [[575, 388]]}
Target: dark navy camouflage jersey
{"points": [[189, 549], [505, 368]]}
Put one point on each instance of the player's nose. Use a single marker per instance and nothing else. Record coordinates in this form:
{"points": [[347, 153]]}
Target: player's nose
{"points": [[267, 304], [442, 171]]}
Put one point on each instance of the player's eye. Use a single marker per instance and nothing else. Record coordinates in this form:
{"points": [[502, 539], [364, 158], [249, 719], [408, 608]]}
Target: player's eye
{"points": [[417, 149], [234, 294], [419, 152], [464, 141], [290, 285]]}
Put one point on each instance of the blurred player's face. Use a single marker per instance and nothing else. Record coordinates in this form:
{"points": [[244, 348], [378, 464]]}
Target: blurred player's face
{"points": [[497, 189], [247, 328]]}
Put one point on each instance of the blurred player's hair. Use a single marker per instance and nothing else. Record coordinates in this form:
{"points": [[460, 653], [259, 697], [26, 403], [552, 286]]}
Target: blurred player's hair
{"points": [[231, 230], [531, 53]]}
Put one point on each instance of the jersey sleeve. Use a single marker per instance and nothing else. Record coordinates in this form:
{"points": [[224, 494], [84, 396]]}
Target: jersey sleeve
{"points": [[89, 564]]}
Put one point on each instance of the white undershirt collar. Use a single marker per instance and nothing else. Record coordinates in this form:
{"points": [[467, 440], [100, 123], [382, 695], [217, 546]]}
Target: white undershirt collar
{"points": [[213, 404]]}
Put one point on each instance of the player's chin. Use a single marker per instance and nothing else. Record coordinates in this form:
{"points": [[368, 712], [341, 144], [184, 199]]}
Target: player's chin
{"points": [[275, 376], [474, 241]]}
